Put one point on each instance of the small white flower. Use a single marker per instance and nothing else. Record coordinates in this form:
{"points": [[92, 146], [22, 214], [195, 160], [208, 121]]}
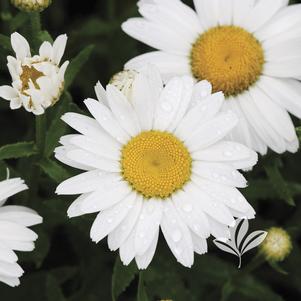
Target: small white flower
{"points": [[31, 5], [38, 81], [157, 161], [248, 49], [14, 232]]}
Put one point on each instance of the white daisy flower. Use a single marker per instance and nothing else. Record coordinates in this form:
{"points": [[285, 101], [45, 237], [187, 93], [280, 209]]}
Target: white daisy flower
{"points": [[38, 81], [249, 49], [14, 232], [157, 161]]}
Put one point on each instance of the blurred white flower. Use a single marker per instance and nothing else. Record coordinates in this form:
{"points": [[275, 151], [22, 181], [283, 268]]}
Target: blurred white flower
{"points": [[123, 81], [31, 5], [38, 81], [248, 49], [14, 232], [157, 161]]}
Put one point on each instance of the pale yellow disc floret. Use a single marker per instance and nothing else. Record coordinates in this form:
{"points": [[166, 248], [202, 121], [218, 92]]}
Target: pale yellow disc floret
{"points": [[229, 57], [156, 164]]}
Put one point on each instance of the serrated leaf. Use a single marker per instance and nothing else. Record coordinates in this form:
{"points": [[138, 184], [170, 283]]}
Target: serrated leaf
{"points": [[225, 247], [141, 294], [279, 184], [55, 171], [18, 150], [76, 65], [5, 42], [253, 240], [122, 277], [57, 127], [53, 290]]}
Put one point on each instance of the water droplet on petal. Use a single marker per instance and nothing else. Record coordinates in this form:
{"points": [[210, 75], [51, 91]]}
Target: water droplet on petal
{"points": [[109, 220], [176, 236]]}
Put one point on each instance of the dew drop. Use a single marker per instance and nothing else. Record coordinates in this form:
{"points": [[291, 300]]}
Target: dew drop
{"points": [[109, 220], [176, 236]]}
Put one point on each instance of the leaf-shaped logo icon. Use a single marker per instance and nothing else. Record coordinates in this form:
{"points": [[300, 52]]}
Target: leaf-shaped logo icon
{"points": [[239, 243]]}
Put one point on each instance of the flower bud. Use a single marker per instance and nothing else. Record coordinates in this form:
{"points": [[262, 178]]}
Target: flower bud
{"points": [[123, 81], [31, 5], [277, 245]]}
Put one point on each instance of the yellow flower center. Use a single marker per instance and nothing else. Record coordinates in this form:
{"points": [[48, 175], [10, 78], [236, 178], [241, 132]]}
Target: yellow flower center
{"points": [[156, 164], [229, 57], [30, 73]]}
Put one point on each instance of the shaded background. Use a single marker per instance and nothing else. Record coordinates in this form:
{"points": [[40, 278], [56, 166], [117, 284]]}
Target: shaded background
{"points": [[66, 265]]}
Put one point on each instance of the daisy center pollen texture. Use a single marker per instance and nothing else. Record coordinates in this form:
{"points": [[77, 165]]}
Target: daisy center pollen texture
{"points": [[30, 74], [229, 57], [156, 164]]}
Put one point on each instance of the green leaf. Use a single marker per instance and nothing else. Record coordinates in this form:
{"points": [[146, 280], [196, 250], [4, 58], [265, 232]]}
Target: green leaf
{"points": [[57, 127], [53, 290], [76, 65], [5, 42], [277, 267], [122, 277], [44, 35], [18, 21], [255, 290], [55, 171], [227, 290], [278, 182], [298, 129], [141, 295], [17, 150]]}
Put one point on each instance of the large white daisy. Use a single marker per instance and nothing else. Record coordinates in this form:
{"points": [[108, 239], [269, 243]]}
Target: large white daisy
{"points": [[14, 232], [156, 161], [249, 49], [38, 80]]}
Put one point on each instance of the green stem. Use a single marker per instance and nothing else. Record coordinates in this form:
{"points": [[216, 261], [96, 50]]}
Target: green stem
{"points": [[40, 133], [35, 21]]}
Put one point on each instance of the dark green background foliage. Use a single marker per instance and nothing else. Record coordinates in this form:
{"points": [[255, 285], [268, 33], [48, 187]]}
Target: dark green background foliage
{"points": [[66, 265]]}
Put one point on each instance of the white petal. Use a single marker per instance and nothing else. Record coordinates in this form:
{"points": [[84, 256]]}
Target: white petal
{"points": [[212, 131], [105, 197], [123, 111], [199, 244], [106, 119], [117, 237], [191, 214], [96, 162], [219, 173], [101, 93], [16, 245], [85, 182], [169, 103], [109, 219], [218, 230], [11, 281], [261, 125], [278, 118], [285, 92], [11, 187], [8, 92], [127, 249], [46, 50], [202, 112], [89, 127], [169, 65], [20, 215], [59, 46], [7, 255], [241, 10], [10, 269], [177, 235], [13, 231], [216, 210], [144, 260], [156, 36], [143, 101], [262, 12], [147, 225], [20, 46]]}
